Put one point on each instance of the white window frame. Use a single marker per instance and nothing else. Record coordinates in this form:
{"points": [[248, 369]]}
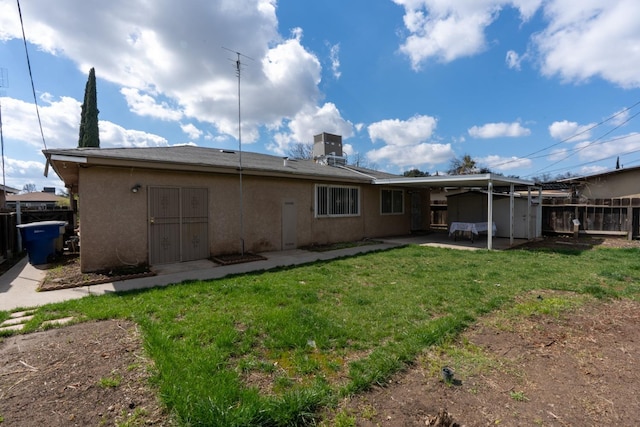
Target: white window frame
{"points": [[326, 208], [394, 192]]}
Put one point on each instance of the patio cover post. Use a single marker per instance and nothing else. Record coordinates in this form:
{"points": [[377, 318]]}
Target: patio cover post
{"points": [[490, 215], [511, 214]]}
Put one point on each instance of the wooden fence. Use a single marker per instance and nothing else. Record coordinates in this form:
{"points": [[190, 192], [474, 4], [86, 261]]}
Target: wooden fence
{"points": [[9, 232], [617, 216]]}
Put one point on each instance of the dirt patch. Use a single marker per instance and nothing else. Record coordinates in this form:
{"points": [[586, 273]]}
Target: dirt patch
{"points": [[578, 369], [231, 259], [317, 247], [582, 243], [88, 374], [65, 273]]}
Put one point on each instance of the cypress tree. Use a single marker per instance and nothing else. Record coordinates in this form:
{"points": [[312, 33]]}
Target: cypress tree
{"points": [[89, 134]]}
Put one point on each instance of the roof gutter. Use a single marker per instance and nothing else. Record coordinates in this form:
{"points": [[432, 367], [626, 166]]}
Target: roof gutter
{"points": [[73, 159]]}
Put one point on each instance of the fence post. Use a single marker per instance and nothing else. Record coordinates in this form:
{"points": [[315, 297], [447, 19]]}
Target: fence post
{"points": [[18, 222]]}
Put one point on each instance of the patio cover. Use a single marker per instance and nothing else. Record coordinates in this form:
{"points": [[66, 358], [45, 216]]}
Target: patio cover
{"points": [[486, 181]]}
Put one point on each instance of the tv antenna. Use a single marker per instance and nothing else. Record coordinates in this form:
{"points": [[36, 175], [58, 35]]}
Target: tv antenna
{"points": [[4, 83], [239, 66]]}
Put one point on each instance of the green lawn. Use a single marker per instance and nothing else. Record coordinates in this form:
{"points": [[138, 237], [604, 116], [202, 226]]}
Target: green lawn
{"points": [[274, 348]]}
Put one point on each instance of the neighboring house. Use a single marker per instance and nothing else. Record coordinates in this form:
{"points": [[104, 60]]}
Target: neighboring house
{"points": [[35, 200], [172, 204], [604, 204], [439, 219], [5, 191]]}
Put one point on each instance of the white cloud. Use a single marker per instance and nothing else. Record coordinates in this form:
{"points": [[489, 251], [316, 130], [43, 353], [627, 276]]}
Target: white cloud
{"points": [[513, 60], [169, 57], [558, 154], [570, 131], [191, 130], [406, 142], [113, 135], [60, 125], [610, 149], [334, 56], [591, 170], [447, 30], [146, 105], [308, 123], [410, 155], [403, 132], [60, 120], [500, 163], [597, 39], [499, 130], [620, 118]]}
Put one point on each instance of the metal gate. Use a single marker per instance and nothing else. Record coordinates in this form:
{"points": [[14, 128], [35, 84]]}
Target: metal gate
{"points": [[178, 224]]}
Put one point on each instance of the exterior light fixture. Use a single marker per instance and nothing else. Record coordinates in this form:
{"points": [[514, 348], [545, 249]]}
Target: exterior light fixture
{"points": [[136, 188]]}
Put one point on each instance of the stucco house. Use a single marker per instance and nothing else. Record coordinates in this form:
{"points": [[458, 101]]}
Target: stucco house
{"points": [[172, 204], [605, 204]]}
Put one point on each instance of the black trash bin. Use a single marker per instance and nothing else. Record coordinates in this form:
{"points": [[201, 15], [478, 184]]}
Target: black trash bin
{"points": [[39, 239]]}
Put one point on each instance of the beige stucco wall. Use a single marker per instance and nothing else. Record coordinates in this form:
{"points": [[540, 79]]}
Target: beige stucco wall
{"points": [[114, 220]]}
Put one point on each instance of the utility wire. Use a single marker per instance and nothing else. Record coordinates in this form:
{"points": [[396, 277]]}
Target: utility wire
{"points": [[582, 132], [631, 151], [33, 88], [590, 144], [599, 160], [574, 150]]}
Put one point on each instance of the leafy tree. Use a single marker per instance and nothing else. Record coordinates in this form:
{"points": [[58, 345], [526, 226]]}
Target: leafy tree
{"points": [[415, 173], [464, 166], [89, 134]]}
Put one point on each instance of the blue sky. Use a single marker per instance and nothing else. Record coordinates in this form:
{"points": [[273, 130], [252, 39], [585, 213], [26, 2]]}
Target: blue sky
{"points": [[525, 87]]}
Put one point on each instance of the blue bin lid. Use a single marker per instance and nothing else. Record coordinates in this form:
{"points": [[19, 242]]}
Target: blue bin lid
{"points": [[42, 224]]}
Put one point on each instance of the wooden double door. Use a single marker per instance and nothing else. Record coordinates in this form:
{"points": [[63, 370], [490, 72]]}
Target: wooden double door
{"points": [[178, 224]]}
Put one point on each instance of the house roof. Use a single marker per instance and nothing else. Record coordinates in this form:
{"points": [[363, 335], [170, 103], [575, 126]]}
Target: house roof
{"points": [[66, 163], [9, 190], [34, 197], [598, 175]]}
